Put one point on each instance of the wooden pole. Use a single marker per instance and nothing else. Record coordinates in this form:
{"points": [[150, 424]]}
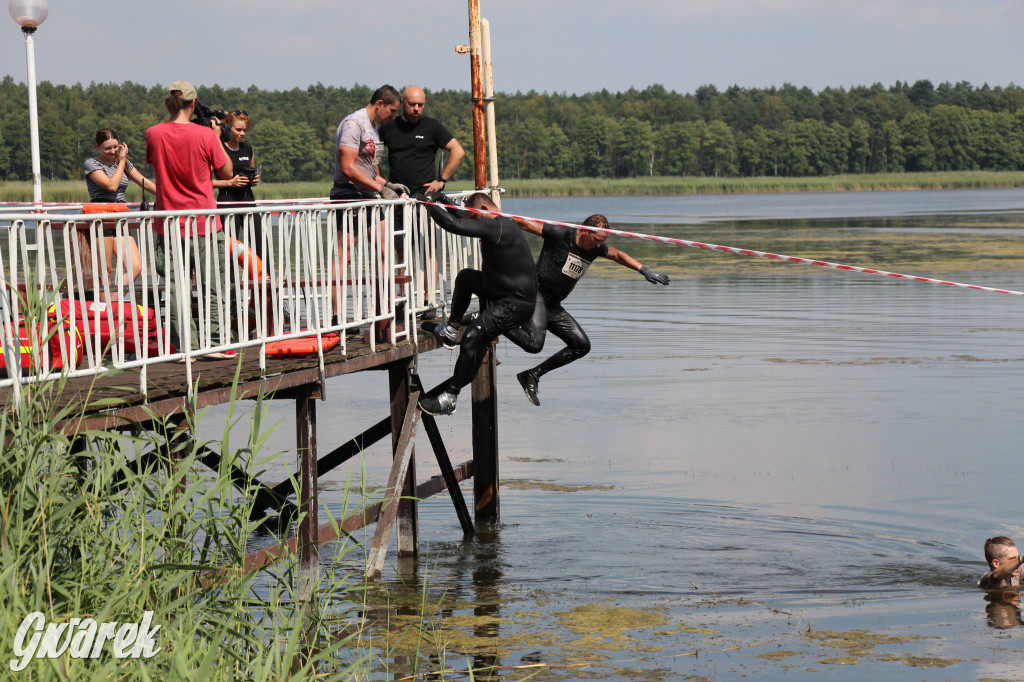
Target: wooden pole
{"points": [[485, 439], [408, 521], [307, 533], [492, 139], [477, 80]]}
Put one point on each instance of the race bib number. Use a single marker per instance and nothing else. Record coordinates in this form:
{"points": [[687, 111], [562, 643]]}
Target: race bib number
{"points": [[575, 266]]}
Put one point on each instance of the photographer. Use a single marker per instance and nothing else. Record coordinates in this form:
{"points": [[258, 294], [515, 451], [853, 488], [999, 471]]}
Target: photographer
{"points": [[237, 191], [182, 155]]}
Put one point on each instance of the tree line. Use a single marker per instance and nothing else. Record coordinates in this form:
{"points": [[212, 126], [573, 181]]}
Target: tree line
{"points": [[780, 131]]}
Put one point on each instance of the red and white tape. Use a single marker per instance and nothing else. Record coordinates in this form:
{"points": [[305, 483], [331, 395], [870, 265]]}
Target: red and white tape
{"points": [[757, 254]]}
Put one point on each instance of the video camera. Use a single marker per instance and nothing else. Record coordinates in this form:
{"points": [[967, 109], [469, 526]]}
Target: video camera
{"points": [[204, 115], [248, 171]]}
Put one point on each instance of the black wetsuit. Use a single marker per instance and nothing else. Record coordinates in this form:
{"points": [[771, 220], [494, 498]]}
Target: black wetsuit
{"points": [[506, 285], [561, 265]]}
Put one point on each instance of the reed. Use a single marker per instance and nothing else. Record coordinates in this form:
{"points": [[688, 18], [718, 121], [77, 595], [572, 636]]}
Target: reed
{"points": [[86, 535], [73, 191]]}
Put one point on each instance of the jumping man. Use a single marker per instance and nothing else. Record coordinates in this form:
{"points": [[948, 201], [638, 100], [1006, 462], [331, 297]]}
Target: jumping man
{"points": [[564, 259]]}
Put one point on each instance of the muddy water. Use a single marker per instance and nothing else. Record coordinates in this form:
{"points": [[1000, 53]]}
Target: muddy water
{"points": [[765, 469]]}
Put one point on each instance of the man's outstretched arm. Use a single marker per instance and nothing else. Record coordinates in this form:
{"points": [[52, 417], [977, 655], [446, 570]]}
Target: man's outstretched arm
{"points": [[623, 258]]}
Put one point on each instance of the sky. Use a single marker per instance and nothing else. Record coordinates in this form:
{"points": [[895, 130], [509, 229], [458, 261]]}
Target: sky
{"points": [[564, 46]]}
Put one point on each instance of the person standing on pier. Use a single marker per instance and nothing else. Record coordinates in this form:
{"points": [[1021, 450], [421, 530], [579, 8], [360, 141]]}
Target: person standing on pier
{"points": [[182, 154], [564, 259], [506, 285], [106, 177], [237, 191], [357, 174], [413, 141]]}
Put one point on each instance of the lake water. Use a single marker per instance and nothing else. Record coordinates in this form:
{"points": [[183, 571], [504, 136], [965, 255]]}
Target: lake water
{"points": [[764, 470]]}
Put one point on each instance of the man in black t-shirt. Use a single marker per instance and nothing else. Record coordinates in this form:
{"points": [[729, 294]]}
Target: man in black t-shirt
{"points": [[413, 140], [564, 259]]}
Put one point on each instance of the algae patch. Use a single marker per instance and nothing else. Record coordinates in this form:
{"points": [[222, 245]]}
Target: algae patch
{"points": [[548, 486], [608, 621], [778, 655]]}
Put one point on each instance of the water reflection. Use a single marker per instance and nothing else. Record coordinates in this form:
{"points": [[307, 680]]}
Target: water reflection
{"points": [[1003, 609]]}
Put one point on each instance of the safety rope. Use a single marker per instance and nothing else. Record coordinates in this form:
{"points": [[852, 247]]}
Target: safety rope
{"points": [[747, 252]]}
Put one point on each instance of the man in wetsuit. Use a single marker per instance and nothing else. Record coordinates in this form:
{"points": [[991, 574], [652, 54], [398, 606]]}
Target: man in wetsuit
{"points": [[506, 286], [564, 259], [1004, 563]]}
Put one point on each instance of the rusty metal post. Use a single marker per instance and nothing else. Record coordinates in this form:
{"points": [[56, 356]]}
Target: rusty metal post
{"points": [[408, 521], [477, 80], [307, 535], [485, 439]]}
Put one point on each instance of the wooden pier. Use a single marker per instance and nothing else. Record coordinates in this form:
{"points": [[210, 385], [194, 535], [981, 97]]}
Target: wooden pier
{"points": [[164, 409]]}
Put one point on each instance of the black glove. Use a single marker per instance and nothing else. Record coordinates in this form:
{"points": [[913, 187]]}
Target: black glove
{"points": [[653, 277]]}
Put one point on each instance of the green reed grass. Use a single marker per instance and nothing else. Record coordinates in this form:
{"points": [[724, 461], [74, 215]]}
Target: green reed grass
{"points": [[84, 535], [74, 191]]}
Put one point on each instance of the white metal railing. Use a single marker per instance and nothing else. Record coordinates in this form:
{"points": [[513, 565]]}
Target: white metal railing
{"points": [[68, 308]]}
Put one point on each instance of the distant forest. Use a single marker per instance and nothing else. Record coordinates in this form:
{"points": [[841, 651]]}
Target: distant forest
{"points": [[778, 131]]}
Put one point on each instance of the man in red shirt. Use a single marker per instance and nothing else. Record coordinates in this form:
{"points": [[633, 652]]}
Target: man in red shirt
{"points": [[182, 155]]}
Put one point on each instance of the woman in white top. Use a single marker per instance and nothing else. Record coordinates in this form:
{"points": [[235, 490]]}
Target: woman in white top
{"points": [[107, 175]]}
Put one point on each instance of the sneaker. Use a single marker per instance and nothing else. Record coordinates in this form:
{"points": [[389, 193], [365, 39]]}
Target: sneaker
{"points": [[529, 382], [226, 355], [441, 404], [445, 333]]}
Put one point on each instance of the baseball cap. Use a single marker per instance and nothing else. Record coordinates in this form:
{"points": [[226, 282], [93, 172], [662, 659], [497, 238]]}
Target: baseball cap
{"points": [[188, 91]]}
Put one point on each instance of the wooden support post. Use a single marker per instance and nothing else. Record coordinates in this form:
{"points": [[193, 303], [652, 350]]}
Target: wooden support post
{"points": [[306, 533], [389, 506], [408, 521], [485, 439]]}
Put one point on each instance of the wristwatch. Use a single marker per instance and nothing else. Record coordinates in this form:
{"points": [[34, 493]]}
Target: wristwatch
{"points": [[440, 178]]}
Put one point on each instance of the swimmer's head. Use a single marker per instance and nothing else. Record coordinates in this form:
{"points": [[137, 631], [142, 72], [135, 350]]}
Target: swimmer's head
{"points": [[999, 549]]}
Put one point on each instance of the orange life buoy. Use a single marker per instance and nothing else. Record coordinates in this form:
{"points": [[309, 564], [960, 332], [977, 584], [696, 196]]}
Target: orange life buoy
{"points": [[249, 261], [301, 347]]}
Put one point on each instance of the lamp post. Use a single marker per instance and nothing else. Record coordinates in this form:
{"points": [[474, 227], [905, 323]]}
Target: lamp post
{"points": [[29, 14]]}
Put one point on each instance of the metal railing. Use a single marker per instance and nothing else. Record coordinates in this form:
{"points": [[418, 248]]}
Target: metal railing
{"points": [[315, 269]]}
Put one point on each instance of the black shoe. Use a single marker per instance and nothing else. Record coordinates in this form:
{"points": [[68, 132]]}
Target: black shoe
{"points": [[446, 335], [529, 383], [441, 404]]}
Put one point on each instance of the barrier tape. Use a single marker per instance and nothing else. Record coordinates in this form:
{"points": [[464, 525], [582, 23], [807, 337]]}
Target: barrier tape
{"points": [[749, 252]]}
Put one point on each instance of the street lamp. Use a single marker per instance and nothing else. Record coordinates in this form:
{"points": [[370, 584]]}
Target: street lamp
{"points": [[29, 14]]}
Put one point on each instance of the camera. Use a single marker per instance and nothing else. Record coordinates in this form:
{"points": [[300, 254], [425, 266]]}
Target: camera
{"points": [[247, 171], [204, 115]]}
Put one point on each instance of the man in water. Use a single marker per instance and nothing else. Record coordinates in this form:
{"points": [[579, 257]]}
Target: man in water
{"points": [[1003, 562], [564, 259], [506, 285]]}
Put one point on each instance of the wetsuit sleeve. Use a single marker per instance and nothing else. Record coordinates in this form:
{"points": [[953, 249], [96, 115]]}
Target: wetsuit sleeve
{"points": [[461, 226]]}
